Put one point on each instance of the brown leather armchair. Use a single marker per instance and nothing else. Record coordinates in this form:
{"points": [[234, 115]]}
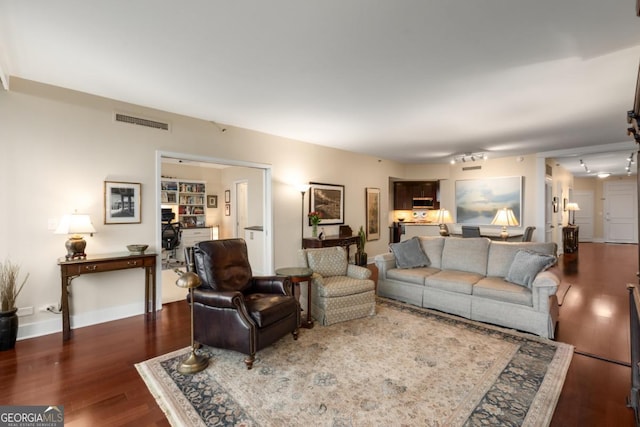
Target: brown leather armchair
{"points": [[234, 310]]}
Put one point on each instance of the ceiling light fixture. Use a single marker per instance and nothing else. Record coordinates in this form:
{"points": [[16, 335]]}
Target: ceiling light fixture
{"points": [[584, 165], [603, 175], [468, 157], [630, 162]]}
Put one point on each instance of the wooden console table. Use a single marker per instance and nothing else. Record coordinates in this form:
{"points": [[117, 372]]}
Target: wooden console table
{"points": [[314, 242], [570, 239], [70, 269]]}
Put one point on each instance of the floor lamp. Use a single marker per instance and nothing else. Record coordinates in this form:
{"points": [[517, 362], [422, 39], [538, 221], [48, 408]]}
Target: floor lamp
{"points": [[303, 189], [193, 363]]}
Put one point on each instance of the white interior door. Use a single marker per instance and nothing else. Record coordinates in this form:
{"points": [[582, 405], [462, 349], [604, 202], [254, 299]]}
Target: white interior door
{"points": [[548, 212], [584, 218], [241, 208], [620, 212]]}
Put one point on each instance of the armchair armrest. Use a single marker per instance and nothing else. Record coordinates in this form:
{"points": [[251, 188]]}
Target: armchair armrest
{"points": [[272, 285], [358, 272], [230, 299]]}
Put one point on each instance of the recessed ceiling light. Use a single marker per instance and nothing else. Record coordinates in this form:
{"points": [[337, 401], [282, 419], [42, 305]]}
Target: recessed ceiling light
{"points": [[603, 174]]}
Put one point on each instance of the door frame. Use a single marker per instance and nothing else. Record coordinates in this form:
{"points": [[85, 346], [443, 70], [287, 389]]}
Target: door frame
{"points": [[266, 199]]}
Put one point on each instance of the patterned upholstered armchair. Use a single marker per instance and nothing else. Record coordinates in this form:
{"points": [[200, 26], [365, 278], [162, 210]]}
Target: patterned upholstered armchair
{"points": [[340, 291], [233, 309]]}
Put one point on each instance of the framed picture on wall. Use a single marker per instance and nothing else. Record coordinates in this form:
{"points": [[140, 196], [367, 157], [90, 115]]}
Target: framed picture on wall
{"points": [[212, 201], [328, 200], [227, 196], [373, 213], [122, 202], [227, 209], [478, 200]]}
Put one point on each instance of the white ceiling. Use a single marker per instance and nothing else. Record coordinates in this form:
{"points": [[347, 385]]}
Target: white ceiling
{"points": [[410, 80]]}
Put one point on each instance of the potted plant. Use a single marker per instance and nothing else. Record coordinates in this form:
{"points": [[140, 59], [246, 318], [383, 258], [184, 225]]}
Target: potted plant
{"points": [[361, 255], [314, 218], [9, 291]]}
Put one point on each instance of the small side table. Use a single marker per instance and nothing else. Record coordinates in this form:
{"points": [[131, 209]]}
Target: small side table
{"points": [[298, 275]]}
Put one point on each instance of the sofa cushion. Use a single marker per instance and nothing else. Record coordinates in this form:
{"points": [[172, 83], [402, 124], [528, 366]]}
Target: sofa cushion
{"points": [[411, 275], [526, 265], [496, 288], [432, 247], [409, 254], [328, 261], [453, 281], [466, 254], [339, 286], [501, 254]]}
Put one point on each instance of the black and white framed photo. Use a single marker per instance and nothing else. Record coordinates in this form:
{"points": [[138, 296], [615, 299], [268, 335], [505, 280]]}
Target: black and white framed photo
{"points": [[373, 213], [122, 201], [212, 201], [227, 209], [328, 201], [227, 196]]}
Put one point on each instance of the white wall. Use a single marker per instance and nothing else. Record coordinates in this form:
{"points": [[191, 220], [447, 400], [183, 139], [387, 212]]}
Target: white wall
{"points": [[58, 148]]}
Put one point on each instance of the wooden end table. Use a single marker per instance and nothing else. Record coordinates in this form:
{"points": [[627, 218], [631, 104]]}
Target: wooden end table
{"points": [[298, 275]]}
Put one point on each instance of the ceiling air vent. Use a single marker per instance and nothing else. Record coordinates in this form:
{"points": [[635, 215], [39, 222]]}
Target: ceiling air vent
{"points": [[125, 118], [472, 168]]}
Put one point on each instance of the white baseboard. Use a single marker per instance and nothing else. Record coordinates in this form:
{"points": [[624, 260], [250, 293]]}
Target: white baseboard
{"points": [[46, 327]]}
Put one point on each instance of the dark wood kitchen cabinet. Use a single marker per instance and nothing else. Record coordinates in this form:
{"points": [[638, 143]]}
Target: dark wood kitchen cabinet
{"points": [[405, 191]]}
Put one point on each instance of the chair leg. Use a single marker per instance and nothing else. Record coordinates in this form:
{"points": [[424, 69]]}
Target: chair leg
{"points": [[249, 361], [295, 335]]}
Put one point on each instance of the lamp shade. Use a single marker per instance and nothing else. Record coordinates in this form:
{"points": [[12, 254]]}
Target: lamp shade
{"points": [[75, 224], [505, 218], [443, 217], [573, 206]]}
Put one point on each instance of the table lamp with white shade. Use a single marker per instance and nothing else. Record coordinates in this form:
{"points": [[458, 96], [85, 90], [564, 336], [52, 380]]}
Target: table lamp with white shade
{"points": [[442, 217], [506, 218], [75, 224], [572, 207]]}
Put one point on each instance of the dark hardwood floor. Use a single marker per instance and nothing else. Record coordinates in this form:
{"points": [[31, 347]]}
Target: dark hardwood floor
{"points": [[94, 377]]}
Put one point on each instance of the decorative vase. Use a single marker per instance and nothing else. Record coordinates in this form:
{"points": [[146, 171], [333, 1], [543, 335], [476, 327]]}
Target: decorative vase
{"points": [[314, 230], [361, 259], [8, 329]]}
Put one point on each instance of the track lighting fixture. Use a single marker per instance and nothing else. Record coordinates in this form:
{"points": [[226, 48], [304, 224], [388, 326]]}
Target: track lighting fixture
{"points": [[468, 157], [584, 165]]}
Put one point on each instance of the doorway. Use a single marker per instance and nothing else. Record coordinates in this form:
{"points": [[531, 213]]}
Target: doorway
{"points": [[261, 197], [620, 212], [584, 217]]}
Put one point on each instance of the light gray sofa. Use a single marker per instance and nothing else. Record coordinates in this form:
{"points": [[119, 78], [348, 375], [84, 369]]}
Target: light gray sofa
{"points": [[468, 277]]}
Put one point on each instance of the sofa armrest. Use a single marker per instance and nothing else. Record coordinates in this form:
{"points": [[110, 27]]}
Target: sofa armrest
{"points": [[544, 285], [358, 272], [385, 262]]}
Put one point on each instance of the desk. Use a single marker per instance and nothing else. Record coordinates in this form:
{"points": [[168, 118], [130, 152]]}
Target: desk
{"points": [[298, 275], [514, 237], [70, 269], [314, 242]]}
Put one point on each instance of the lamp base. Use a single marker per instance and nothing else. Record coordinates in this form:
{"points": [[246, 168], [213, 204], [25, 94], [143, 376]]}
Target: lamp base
{"points": [[193, 364], [504, 234], [75, 247]]}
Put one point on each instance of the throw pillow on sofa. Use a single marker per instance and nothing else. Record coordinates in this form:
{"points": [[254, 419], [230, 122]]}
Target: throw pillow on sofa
{"points": [[409, 254], [526, 265]]}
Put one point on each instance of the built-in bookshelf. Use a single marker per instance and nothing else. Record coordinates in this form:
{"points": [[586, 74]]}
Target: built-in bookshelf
{"points": [[190, 198]]}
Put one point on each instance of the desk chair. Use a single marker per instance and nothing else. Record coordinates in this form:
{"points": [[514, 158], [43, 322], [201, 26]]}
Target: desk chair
{"points": [[470, 231], [171, 235], [528, 234]]}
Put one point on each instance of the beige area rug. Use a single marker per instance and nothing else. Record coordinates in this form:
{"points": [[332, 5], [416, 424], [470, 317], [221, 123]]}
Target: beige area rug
{"points": [[404, 366], [561, 293]]}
